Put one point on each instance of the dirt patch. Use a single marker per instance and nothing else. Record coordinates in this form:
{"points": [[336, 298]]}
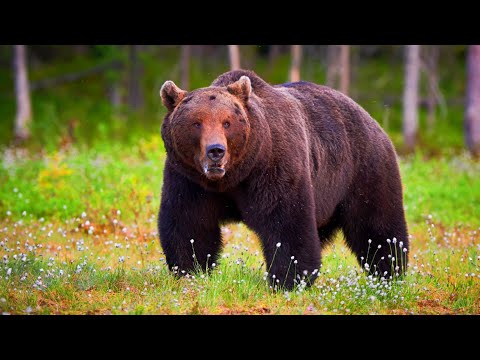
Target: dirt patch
{"points": [[223, 310], [433, 307]]}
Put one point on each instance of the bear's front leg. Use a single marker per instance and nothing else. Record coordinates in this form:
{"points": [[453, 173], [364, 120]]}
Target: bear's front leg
{"points": [[290, 245], [188, 224]]}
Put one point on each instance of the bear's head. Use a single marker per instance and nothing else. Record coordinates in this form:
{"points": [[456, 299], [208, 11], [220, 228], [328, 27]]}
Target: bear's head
{"points": [[208, 128]]}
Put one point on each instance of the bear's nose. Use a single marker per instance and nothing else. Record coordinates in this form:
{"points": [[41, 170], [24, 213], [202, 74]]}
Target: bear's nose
{"points": [[215, 152]]}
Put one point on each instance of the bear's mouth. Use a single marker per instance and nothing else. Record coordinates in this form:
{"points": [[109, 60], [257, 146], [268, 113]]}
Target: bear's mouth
{"points": [[214, 171]]}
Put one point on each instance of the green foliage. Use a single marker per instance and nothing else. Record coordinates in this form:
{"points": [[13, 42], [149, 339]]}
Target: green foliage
{"points": [[377, 84]]}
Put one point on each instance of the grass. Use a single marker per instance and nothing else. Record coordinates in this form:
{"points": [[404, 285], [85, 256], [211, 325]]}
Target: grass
{"points": [[78, 235]]}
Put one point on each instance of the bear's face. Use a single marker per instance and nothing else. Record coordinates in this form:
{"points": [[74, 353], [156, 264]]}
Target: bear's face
{"points": [[209, 127]]}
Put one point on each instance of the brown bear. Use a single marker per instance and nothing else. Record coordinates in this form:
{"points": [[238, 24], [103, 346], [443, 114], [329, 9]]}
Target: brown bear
{"points": [[295, 162]]}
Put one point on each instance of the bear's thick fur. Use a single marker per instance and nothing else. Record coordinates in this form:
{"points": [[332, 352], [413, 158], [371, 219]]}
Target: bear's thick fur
{"points": [[295, 162]]}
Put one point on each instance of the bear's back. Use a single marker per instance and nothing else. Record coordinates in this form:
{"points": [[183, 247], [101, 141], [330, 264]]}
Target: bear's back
{"points": [[334, 118], [323, 103]]}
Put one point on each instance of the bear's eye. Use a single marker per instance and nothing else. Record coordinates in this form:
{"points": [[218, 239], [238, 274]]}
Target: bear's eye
{"points": [[197, 125], [226, 124]]}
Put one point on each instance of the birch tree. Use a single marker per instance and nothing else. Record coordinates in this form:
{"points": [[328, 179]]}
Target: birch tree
{"points": [[135, 98], [344, 69], [472, 111], [296, 51], [410, 96], [23, 116], [185, 67], [234, 55]]}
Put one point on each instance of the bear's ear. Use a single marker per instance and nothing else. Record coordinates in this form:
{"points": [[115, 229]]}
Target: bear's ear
{"points": [[242, 88], [171, 94]]}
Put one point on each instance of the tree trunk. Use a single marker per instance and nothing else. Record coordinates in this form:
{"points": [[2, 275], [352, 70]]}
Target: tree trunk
{"points": [[296, 61], [472, 113], [234, 54], [80, 49], [136, 71], [114, 94], [432, 75], [344, 68], [273, 53], [185, 67], [23, 117], [410, 96], [332, 65]]}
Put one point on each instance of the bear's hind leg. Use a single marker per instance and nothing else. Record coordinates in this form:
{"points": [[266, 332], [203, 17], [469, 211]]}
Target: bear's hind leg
{"points": [[377, 235]]}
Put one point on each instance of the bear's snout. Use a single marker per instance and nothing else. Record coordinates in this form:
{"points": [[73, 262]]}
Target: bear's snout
{"points": [[215, 152], [214, 164]]}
